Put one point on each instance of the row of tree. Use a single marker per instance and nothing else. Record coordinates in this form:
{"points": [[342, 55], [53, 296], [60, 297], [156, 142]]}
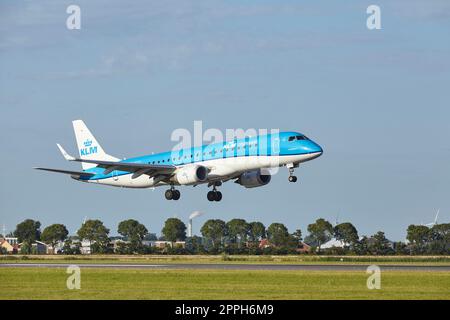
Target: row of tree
{"points": [[236, 236]]}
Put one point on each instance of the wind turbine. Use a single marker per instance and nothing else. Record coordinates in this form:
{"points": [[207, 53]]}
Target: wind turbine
{"points": [[336, 219], [431, 224], [83, 222]]}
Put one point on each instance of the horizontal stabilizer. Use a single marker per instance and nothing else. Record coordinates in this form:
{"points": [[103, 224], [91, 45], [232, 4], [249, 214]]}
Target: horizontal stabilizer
{"points": [[64, 153], [73, 173]]}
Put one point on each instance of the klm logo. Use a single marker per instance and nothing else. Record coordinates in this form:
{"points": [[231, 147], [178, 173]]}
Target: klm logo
{"points": [[88, 148]]}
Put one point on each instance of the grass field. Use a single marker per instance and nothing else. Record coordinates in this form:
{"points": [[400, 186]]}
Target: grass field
{"points": [[247, 259], [50, 283]]}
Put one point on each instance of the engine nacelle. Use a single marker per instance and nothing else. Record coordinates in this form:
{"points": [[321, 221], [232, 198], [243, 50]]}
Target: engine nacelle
{"points": [[253, 179], [191, 174]]}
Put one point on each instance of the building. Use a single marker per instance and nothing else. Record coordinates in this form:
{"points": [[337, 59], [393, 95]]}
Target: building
{"points": [[303, 248], [10, 244], [333, 243], [116, 243], [165, 244], [264, 243], [85, 247], [57, 249], [37, 247]]}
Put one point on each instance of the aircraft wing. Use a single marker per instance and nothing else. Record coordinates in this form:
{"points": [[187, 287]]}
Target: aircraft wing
{"points": [[72, 173], [133, 167]]}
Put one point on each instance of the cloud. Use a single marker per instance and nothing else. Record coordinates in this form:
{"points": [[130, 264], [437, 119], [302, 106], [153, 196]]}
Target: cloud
{"points": [[435, 10], [120, 37]]}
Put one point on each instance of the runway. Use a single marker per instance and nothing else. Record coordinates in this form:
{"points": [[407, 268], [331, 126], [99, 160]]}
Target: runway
{"points": [[223, 266]]}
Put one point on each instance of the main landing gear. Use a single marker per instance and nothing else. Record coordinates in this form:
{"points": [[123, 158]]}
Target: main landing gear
{"points": [[214, 195], [291, 178], [172, 194]]}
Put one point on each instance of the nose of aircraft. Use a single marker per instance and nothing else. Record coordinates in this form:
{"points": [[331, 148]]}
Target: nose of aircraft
{"points": [[318, 148], [312, 147]]}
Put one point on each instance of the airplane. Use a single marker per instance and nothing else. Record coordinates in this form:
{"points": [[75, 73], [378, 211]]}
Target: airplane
{"points": [[246, 161]]}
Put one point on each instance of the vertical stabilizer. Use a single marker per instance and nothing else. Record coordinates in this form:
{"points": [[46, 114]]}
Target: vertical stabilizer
{"points": [[88, 146]]}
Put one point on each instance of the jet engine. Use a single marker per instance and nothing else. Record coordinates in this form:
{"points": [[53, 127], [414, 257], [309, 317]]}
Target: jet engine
{"points": [[191, 174], [254, 178]]}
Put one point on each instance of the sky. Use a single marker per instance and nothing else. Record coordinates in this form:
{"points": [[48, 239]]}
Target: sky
{"points": [[377, 101]]}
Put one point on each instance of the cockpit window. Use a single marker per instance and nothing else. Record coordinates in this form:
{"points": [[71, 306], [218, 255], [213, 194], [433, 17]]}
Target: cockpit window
{"points": [[299, 137]]}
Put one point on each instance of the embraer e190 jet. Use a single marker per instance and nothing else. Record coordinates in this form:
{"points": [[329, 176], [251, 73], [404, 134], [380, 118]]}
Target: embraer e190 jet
{"points": [[246, 161]]}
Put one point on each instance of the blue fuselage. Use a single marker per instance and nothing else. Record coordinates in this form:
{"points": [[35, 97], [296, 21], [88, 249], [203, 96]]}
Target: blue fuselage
{"points": [[280, 145]]}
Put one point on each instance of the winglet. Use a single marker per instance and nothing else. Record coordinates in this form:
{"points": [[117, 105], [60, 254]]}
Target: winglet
{"points": [[64, 153]]}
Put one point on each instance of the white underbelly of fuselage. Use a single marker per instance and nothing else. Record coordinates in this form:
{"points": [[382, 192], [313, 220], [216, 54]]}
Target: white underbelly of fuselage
{"points": [[219, 169]]}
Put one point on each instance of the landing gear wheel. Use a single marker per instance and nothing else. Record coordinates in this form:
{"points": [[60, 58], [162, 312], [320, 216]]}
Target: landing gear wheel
{"points": [[211, 196], [169, 194], [292, 179], [218, 196], [176, 195]]}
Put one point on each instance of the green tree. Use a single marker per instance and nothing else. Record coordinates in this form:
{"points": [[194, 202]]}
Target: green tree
{"points": [[134, 232], [298, 235], [214, 230], [418, 237], [96, 233], [54, 233], [194, 245], [71, 248], [28, 232], [440, 239], [174, 230], [346, 233], [379, 244], [361, 247], [278, 234], [238, 230], [320, 231], [257, 231], [400, 248]]}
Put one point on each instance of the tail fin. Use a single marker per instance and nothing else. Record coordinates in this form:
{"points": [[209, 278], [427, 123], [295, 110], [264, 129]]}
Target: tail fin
{"points": [[88, 146]]}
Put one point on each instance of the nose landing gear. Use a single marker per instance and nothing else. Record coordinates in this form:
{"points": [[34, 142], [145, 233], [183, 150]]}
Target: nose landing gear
{"points": [[291, 177]]}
